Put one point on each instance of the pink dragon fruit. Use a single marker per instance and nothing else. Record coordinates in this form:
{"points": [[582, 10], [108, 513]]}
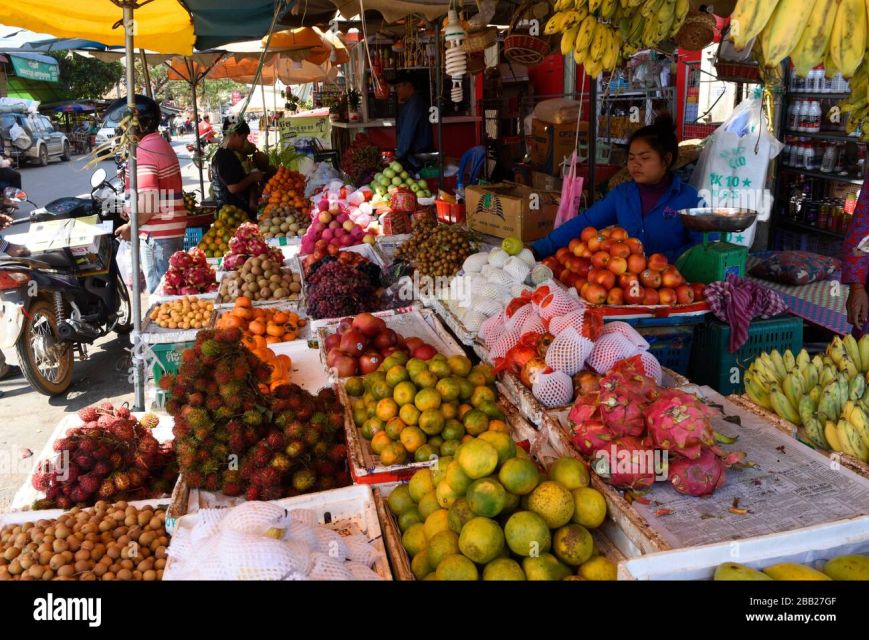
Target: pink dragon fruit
{"points": [[174, 278], [200, 277], [622, 413], [628, 463], [198, 255], [188, 291], [679, 422], [586, 407], [180, 260], [234, 261], [698, 477], [170, 291], [629, 377], [590, 436]]}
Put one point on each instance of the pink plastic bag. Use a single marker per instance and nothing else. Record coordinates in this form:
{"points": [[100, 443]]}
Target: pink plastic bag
{"points": [[571, 194]]}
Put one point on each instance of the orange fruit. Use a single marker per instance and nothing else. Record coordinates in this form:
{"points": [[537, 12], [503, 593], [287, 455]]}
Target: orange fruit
{"points": [[257, 328], [272, 340], [274, 330], [289, 337], [280, 318], [242, 312], [242, 301]]}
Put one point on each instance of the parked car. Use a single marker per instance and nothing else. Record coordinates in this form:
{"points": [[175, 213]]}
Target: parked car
{"points": [[46, 141]]}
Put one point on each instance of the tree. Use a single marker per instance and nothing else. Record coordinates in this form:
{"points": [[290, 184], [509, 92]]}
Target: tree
{"points": [[86, 78]]}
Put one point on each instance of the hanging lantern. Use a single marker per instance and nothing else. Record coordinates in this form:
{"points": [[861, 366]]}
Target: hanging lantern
{"points": [[456, 57]]}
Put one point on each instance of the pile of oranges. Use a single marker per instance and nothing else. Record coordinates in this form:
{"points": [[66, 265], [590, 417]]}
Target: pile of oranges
{"points": [[287, 187], [261, 327]]}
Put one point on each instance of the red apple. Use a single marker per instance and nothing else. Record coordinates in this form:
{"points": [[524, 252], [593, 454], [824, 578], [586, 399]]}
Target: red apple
{"points": [[658, 262], [572, 263], [615, 297], [580, 249], [584, 266], [332, 355], [386, 338], [618, 233], [650, 279], [587, 234], [388, 351], [699, 291], [345, 325], [553, 263], [636, 263], [595, 242], [332, 341], [579, 284], [425, 352], [618, 265], [635, 245], [627, 279], [413, 343], [672, 279], [369, 324], [345, 366], [603, 278], [369, 361], [595, 294], [685, 294], [635, 294], [651, 297], [561, 254], [569, 278], [573, 244], [601, 259], [620, 250], [353, 343], [667, 296]]}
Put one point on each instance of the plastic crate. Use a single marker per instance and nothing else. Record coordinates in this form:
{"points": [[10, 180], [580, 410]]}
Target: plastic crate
{"points": [[714, 365], [449, 212], [166, 358], [192, 237], [669, 321], [671, 345]]}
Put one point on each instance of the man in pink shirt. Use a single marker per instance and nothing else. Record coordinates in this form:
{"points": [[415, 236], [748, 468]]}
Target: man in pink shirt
{"points": [[162, 216]]}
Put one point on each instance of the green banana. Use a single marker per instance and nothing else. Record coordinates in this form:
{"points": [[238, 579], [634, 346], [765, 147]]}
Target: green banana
{"points": [[855, 443], [818, 362], [681, 13], [827, 376], [782, 406], [853, 351], [815, 433], [856, 388], [806, 409], [843, 388], [607, 9], [803, 359], [863, 345], [779, 364], [815, 395], [651, 8], [758, 395], [789, 360], [828, 405]]}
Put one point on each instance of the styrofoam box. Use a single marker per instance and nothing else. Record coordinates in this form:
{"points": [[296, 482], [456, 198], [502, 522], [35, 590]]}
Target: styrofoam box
{"points": [[307, 370], [27, 495], [349, 509], [810, 546], [21, 517]]}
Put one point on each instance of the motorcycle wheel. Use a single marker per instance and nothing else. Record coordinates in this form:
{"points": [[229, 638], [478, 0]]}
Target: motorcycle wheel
{"points": [[125, 309], [45, 361]]}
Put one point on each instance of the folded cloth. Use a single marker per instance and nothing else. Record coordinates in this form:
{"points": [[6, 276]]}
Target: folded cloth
{"points": [[738, 301]]}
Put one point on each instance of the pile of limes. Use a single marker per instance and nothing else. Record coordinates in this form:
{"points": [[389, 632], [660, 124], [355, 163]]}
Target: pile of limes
{"points": [[489, 512], [412, 409]]}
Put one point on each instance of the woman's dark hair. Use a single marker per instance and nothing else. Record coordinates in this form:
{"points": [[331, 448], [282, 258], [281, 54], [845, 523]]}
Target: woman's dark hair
{"points": [[661, 136]]}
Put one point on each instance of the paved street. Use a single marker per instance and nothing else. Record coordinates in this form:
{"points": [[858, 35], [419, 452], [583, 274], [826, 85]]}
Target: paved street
{"points": [[26, 417]]}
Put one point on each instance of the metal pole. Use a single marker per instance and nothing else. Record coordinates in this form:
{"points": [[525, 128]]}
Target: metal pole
{"points": [[148, 91], [196, 133], [138, 360], [592, 139], [438, 100], [265, 112]]}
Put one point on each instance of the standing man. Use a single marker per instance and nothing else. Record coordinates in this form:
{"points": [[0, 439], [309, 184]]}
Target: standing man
{"points": [[855, 263], [162, 216], [414, 127], [232, 184]]}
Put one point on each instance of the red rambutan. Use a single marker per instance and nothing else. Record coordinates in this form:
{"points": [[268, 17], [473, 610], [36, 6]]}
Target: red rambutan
{"points": [[88, 414], [252, 494], [194, 479]]}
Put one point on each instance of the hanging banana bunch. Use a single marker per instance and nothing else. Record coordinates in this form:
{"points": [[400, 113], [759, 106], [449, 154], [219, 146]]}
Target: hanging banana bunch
{"points": [[602, 33]]}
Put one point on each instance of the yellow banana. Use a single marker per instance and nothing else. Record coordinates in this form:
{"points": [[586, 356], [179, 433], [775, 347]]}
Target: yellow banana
{"points": [[844, 440], [782, 406], [836, 350], [593, 66], [567, 40], [758, 396], [792, 389], [815, 395], [790, 360], [607, 9], [863, 344], [783, 30], [779, 364], [848, 40], [579, 56], [847, 410], [748, 19], [554, 24], [858, 418], [585, 34], [855, 443], [813, 43], [681, 12], [832, 436], [651, 8], [563, 5], [611, 56], [594, 5], [850, 369], [803, 359], [599, 43], [818, 362], [853, 350], [827, 376]]}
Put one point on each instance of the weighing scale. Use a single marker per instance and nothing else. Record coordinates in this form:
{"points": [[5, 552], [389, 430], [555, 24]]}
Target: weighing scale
{"points": [[714, 260]]}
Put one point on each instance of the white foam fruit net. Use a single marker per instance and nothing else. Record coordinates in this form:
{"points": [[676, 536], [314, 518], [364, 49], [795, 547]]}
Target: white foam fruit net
{"points": [[487, 306], [239, 549], [608, 350], [500, 278], [553, 389], [473, 320], [574, 319], [488, 290], [498, 257], [557, 303], [527, 256], [627, 331], [517, 269], [519, 317], [518, 289], [533, 324], [508, 339], [474, 263], [652, 367], [569, 351], [492, 328]]}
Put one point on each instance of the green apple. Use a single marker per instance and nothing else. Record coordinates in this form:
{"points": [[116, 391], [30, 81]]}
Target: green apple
{"points": [[396, 181], [404, 175], [512, 245], [396, 167], [377, 176], [389, 173], [414, 187]]}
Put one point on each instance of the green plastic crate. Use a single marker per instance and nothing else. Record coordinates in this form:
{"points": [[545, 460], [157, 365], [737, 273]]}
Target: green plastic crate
{"points": [[712, 363], [166, 358]]}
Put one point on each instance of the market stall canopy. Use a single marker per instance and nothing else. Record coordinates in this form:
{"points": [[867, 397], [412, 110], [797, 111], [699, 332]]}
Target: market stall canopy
{"points": [[243, 69], [163, 26], [308, 44], [33, 66]]}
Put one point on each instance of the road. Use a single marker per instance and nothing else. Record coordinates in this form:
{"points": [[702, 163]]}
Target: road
{"points": [[27, 418]]}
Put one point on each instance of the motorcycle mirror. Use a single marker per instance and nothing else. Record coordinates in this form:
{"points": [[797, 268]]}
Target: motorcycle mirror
{"points": [[98, 177]]}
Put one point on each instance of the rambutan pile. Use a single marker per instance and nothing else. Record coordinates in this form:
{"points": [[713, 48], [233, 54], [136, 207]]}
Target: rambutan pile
{"points": [[111, 456], [234, 435]]}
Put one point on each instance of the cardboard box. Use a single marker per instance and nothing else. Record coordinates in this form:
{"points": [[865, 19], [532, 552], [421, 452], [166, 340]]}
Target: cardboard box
{"points": [[86, 241], [510, 209], [550, 143]]}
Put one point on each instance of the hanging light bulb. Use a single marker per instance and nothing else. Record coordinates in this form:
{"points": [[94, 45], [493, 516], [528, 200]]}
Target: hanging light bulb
{"points": [[456, 58]]}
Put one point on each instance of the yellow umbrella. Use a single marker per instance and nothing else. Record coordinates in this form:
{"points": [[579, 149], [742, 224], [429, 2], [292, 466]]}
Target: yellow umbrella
{"points": [[163, 26]]}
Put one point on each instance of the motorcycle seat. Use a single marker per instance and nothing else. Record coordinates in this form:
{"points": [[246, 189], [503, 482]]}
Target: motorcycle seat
{"points": [[58, 259]]}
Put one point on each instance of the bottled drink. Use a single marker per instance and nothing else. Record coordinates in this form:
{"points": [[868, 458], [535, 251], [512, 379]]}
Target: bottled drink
{"points": [[793, 116], [809, 157], [816, 80], [815, 116], [840, 158], [800, 156], [828, 164]]}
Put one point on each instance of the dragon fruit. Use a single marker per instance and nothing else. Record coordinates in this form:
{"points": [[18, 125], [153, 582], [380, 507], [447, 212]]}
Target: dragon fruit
{"points": [[590, 436], [586, 407], [180, 260], [698, 477], [628, 463], [679, 422], [622, 413], [234, 261]]}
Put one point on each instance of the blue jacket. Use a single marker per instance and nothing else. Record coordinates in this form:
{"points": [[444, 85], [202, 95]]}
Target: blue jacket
{"points": [[414, 130], [661, 231]]}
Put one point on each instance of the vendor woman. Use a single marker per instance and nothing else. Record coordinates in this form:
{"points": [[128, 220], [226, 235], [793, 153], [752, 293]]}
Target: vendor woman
{"points": [[647, 206]]}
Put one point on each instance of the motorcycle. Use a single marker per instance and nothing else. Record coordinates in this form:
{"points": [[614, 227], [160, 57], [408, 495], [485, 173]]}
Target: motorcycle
{"points": [[208, 144], [51, 308]]}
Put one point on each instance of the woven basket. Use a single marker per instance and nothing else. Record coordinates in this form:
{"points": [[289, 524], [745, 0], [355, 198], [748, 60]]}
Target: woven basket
{"points": [[521, 48], [476, 63], [480, 40], [697, 32]]}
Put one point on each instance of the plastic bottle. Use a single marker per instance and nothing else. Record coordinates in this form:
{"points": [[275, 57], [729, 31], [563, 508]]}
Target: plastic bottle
{"points": [[800, 158], [829, 161], [817, 116], [792, 116]]}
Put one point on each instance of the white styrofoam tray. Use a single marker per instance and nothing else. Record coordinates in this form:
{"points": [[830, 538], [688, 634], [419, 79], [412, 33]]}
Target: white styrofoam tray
{"points": [[307, 370], [22, 517], [804, 546], [347, 510]]}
